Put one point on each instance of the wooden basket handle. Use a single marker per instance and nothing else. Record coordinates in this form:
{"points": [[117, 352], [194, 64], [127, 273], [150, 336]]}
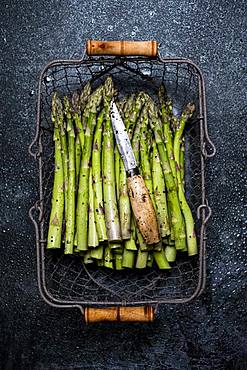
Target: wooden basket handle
{"points": [[122, 48], [139, 314]]}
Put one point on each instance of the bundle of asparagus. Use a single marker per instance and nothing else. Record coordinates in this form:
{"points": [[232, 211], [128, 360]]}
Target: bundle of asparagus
{"points": [[91, 214]]}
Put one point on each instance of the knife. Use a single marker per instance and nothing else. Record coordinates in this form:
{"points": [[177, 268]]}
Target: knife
{"points": [[140, 200]]}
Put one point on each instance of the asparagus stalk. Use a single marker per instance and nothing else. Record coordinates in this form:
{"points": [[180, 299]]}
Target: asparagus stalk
{"points": [[160, 194], [128, 259], [144, 154], [83, 195], [77, 118], [93, 240], [97, 179], [161, 260], [150, 260], [77, 159], [130, 244], [100, 263], [141, 260], [109, 190], [117, 169], [166, 114], [170, 252], [118, 256], [124, 203], [136, 141], [118, 261], [108, 257], [87, 258], [172, 235], [75, 241], [181, 162], [173, 201], [134, 113], [189, 221], [86, 91], [57, 208], [65, 159], [70, 220], [98, 252], [126, 112]]}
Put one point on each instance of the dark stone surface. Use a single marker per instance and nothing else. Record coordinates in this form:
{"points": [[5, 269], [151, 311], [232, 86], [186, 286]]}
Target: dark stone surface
{"points": [[207, 334]]}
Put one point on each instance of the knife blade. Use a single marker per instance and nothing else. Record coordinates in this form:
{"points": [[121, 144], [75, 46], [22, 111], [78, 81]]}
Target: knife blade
{"points": [[140, 200], [122, 139]]}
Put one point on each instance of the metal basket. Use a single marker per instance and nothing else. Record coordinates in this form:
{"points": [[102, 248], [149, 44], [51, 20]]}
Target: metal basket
{"points": [[63, 280]]}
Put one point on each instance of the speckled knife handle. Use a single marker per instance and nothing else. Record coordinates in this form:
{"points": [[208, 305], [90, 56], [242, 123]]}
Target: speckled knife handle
{"points": [[140, 314], [143, 209], [122, 48]]}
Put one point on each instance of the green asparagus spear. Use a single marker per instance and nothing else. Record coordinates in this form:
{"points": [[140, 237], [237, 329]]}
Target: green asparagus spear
{"points": [[93, 240], [108, 257], [150, 259], [128, 259], [166, 114], [118, 261], [83, 195], [117, 169], [141, 260], [65, 158], [109, 190], [118, 256], [130, 244], [98, 252], [87, 258], [84, 97], [181, 162], [77, 118], [124, 203], [70, 220], [160, 194], [170, 252], [189, 222], [77, 159], [97, 179], [161, 260], [173, 201], [57, 208]]}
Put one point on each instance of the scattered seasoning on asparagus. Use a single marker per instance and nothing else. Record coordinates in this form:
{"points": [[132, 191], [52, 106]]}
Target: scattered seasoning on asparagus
{"points": [[57, 203]]}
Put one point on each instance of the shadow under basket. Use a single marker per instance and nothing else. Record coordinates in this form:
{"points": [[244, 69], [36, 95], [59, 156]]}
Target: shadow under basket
{"points": [[128, 295]]}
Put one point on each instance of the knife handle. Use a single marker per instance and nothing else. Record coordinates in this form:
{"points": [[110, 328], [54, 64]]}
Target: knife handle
{"points": [[122, 48], [143, 209]]}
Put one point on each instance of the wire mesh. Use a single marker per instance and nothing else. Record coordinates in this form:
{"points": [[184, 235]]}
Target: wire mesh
{"points": [[65, 277]]}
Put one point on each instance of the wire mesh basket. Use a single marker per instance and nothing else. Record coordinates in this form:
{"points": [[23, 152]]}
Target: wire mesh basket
{"points": [[63, 280]]}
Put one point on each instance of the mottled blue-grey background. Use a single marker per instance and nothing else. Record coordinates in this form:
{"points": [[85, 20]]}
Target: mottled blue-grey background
{"points": [[207, 334]]}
